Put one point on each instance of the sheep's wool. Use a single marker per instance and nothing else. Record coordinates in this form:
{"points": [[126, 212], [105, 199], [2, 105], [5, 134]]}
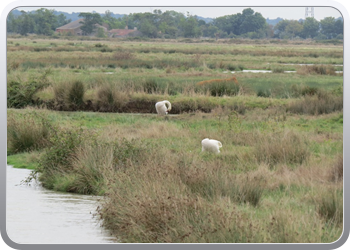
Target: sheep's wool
{"points": [[211, 145]]}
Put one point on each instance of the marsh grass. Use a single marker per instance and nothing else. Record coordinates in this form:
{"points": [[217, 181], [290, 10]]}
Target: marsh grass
{"points": [[321, 103], [157, 185], [69, 95], [330, 206], [316, 69], [284, 147], [110, 99], [26, 133]]}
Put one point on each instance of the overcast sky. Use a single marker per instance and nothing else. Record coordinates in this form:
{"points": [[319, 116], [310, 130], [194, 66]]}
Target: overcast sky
{"points": [[290, 13]]}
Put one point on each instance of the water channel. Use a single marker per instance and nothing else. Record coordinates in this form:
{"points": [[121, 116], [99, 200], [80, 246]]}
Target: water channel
{"points": [[37, 215]]}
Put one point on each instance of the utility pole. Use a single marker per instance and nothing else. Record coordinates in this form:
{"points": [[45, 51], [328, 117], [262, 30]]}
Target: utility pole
{"points": [[309, 10]]}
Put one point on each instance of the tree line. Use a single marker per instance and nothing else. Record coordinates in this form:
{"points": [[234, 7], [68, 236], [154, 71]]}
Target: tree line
{"points": [[172, 24]]}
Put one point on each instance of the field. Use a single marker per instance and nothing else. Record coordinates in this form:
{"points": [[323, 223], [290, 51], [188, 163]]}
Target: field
{"points": [[81, 115]]}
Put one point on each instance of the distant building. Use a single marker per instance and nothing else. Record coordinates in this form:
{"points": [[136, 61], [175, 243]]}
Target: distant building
{"points": [[124, 32], [73, 28]]}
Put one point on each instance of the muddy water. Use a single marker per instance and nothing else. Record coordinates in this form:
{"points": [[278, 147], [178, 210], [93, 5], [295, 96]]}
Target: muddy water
{"points": [[37, 215]]}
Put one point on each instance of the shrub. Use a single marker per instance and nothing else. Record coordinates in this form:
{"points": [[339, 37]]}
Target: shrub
{"points": [[109, 99], [69, 95], [76, 94], [20, 95]]}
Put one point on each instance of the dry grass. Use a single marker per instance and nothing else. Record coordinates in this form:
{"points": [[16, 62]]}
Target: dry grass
{"points": [[285, 147]]}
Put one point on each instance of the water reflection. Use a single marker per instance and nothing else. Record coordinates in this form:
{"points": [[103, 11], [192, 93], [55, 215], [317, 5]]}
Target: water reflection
{"points": [[38, 215]]}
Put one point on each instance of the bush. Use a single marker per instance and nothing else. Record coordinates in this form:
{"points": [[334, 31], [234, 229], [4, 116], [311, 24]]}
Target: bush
{"points": [[69, 95], [20, 95], [76, 94]]}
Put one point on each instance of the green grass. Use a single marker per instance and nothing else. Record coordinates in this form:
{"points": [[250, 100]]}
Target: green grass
{"points": [[24, 160]]}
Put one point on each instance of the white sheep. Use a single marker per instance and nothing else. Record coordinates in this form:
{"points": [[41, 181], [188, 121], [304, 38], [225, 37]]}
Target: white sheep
{"points": [[161, 107], [211, 145]]}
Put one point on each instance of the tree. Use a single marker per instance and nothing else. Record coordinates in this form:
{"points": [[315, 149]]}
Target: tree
{"points": [[90, 20], [45, 21], [251, 22], [25, 24], [328, 27], [310, 28], [338, 27], [294, 28], [243, 23], [113, 23], [189, 27], [280, 27]]}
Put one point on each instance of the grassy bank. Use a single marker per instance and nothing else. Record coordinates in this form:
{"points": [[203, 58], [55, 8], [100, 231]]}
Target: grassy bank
{"points": [[274, 173]]}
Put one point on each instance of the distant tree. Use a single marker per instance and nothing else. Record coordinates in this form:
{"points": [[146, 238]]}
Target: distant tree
{"points": [[339, 27], [311, 28], [251, 22], [239, 23], [45, 21], [294, 28], [328, 27], [113, 23], [25, 24], [210, 30], [62, 20], [189, 27], [280, 27], [90, 20]]}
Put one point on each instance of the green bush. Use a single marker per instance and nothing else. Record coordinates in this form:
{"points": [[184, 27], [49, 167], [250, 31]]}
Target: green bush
{"points": [[20, 95], [76, 94], [69, 95]]}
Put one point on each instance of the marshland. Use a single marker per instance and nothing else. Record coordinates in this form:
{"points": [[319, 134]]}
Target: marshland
{"points": [[81, 115]]}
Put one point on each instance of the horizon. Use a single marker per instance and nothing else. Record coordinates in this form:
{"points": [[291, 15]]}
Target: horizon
{"points": [[289, 13]]}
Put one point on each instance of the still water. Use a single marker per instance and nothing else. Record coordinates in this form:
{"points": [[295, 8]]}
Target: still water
{"points": [[37, 215]]}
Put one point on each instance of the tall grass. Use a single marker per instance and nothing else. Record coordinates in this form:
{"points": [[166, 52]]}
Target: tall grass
{"points": [[69, 95], [283, 147], [330, 206], [321, 103], [26, 133]]}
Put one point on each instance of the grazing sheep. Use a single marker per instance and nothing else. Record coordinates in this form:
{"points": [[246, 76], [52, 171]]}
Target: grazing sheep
{"points": [[211, 145], [161, 107]]}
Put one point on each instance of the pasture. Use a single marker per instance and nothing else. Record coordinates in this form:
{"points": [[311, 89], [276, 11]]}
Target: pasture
{"points": [[81, 114]]}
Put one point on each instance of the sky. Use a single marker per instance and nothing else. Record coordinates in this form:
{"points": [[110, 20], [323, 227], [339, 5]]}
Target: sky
{"points": [[290, 13]]}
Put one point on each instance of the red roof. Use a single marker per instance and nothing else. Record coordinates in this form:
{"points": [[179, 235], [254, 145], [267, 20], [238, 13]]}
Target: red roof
{"points": [[121, 32]]}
